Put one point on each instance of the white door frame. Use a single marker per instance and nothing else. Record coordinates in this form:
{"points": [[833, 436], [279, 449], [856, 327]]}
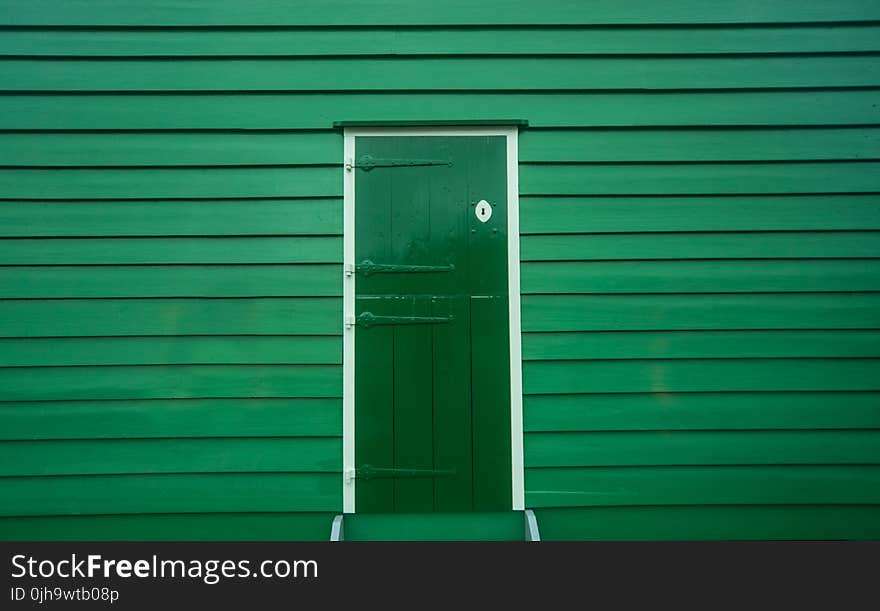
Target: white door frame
{"points": [[348, 309]]}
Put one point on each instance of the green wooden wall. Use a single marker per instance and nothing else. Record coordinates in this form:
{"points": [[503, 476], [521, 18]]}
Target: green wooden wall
{"points": [[700, 257]]}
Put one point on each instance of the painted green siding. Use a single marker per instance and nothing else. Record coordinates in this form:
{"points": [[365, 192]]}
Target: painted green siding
{"points": [[700, 216]]}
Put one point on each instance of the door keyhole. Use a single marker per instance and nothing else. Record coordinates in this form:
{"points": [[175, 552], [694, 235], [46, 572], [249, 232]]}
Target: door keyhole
{"points": [[483, 211]]}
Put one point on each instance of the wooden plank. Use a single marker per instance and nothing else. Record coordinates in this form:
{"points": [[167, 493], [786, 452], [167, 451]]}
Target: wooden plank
{"points": [[374, 410], [695, 344], [169, 148], [89, 317], [405, 226], [701, 411], [412, 431], [454, 403], [374, 365], [544, 109], [123, 251], [179, 493], [490, 393], [669, 213], [608, 449], [747, 485], [490, 403], [698, 276], [711, 523], [170, 382], [402, 12], [173, 183], [795, 38], [313, 148], [304, 526], [71, 281], [171, 218], [122, 456], [435, 74], [672, 312], [180, 418], [727, 245], [699, 375], [189, 350], [701, 179], [744, 144], [171, 527]]}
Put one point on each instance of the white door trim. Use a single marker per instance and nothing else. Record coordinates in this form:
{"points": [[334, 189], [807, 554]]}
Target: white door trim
{"points": [[513, 286]]}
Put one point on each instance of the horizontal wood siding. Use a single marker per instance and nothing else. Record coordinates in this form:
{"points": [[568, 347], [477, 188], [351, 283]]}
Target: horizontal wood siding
{"points": [[405, 12], [239, 110], [700, 217]]}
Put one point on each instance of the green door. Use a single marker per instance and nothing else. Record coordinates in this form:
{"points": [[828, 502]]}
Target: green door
{"points": [[432, 373]]}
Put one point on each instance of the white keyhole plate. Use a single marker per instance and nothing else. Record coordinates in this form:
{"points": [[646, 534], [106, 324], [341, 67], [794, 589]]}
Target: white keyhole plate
{"points": [[483, 211]]}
